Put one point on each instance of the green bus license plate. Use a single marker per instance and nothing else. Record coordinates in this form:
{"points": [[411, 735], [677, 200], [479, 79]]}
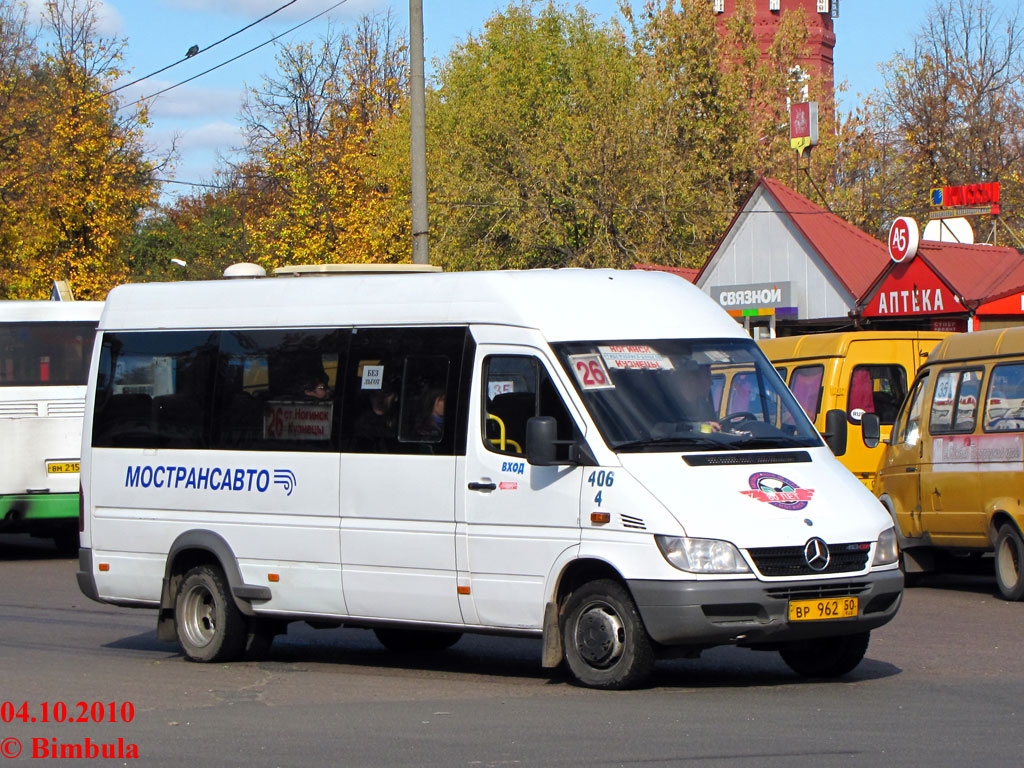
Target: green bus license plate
{"points": [[817, 610], [62, 467]]}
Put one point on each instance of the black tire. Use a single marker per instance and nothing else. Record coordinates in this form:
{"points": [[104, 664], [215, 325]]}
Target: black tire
{"points": [[606, 644], [416, 640], [826, 656], [1010, 562], [67, 542], [209, 625]]}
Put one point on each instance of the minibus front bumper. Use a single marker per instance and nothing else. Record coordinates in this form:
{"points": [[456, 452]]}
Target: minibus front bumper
{"points": [[750, 613]]}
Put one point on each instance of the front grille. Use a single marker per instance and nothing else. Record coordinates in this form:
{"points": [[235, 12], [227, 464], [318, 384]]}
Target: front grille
{"points": [[817, 591], [734, 459], [790, 561]]}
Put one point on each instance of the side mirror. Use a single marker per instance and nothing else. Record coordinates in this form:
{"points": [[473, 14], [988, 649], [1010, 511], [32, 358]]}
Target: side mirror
{"points": [[871, 429], [541, 432], [835, 431]]}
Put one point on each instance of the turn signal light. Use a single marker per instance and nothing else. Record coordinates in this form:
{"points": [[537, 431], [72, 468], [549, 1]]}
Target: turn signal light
{"points": [[600, 518]]}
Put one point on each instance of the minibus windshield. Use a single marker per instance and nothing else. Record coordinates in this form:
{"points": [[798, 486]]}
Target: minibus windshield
{"points": [[685, 395]]}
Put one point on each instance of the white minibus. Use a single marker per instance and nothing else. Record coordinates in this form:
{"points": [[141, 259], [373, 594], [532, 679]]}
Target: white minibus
{"points": [[517, 453], [45, 349]]}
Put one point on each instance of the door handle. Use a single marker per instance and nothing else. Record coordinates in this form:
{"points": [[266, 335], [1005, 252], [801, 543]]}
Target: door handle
{"points": [[482, 486], [910, 469]]}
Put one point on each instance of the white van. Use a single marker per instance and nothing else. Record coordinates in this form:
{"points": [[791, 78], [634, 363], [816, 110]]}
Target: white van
{"points": [[504, 452]]}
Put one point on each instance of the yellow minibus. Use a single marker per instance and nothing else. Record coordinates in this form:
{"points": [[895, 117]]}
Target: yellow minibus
{"points": [[951, 476]]}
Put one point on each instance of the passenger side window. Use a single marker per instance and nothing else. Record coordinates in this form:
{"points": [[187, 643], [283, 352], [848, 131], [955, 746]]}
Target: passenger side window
{"points": [[717, 388], [45, 354], [955, 402], [153, 390], [1004, 406], [908, 427], [805, 383], [742, 394], [402, 391], [276, 390], [877, 389], [518, 387]]}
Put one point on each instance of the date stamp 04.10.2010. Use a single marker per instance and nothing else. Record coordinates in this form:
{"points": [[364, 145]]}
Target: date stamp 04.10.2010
{"points": [[59, 712]]}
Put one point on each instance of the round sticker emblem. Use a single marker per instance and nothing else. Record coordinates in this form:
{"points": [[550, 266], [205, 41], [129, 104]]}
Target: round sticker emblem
{"points": [[778, 491]]}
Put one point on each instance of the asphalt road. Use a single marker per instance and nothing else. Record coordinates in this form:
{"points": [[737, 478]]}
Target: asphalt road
{"points": [[942, 685]]}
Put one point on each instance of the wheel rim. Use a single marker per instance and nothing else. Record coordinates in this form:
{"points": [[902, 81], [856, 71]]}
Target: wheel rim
{"points": [[1008, 563], [600, 637], [198, 616]]}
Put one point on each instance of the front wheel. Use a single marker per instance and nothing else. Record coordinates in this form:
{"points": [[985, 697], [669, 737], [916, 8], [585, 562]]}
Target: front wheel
{"points": [[1009, 562], [606, 644], [210, 627], [826, 656]]}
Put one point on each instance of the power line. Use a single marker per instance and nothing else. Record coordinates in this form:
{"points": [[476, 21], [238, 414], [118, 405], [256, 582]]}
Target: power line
{"points": [[233, 58], [193, 53], [95, 96]]}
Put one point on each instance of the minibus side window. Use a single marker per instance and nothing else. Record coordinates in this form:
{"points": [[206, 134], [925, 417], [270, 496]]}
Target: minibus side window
{"points": [[1004, 406], [276, 390], [877, 389], [154, 391], [955, 402], [805, 383], [517, 387], [402, 391], [908, 426]]}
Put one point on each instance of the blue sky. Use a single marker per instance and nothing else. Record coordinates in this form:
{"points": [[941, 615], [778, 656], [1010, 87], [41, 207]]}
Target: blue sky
{"points": [[204, 113]]}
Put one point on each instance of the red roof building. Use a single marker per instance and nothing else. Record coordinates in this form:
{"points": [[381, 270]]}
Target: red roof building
{"points": [[786, 265], [786, 260], [954, 286]]}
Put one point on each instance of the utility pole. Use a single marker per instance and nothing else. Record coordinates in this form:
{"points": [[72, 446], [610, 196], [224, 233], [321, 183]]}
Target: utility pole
{"points": [[418, 131]]}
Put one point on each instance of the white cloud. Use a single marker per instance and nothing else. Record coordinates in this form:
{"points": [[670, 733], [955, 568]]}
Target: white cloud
{"points": [[186, 101], [108, 21], [253, 9], [219, 135]]}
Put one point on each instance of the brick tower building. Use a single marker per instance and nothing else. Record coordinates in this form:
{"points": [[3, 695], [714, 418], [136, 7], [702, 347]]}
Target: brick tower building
{"points": [[821, 39]]}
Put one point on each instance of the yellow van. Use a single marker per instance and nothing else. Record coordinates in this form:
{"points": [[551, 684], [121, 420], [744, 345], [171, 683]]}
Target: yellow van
{"points": [[951, 475], [857, 373]]}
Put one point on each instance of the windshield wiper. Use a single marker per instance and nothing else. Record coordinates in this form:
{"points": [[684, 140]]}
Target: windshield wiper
{"points": [[665, 442], [770, 442]]}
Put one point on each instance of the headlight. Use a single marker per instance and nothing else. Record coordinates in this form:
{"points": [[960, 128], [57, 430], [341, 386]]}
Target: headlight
{"points": [[702, 555], [887, 551]]}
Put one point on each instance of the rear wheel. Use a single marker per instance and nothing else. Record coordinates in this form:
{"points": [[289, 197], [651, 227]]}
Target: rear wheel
{"points": [[210, 627], [416, 640], [826, 656], [1009, 562], [606, 644]]}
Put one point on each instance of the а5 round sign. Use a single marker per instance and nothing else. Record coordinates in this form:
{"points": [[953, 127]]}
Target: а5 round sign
{"points": [[904, 237]]}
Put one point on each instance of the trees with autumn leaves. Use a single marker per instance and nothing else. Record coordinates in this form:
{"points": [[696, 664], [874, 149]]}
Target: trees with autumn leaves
{"points": [[74, 176], [950, 113], [554, 140]]}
